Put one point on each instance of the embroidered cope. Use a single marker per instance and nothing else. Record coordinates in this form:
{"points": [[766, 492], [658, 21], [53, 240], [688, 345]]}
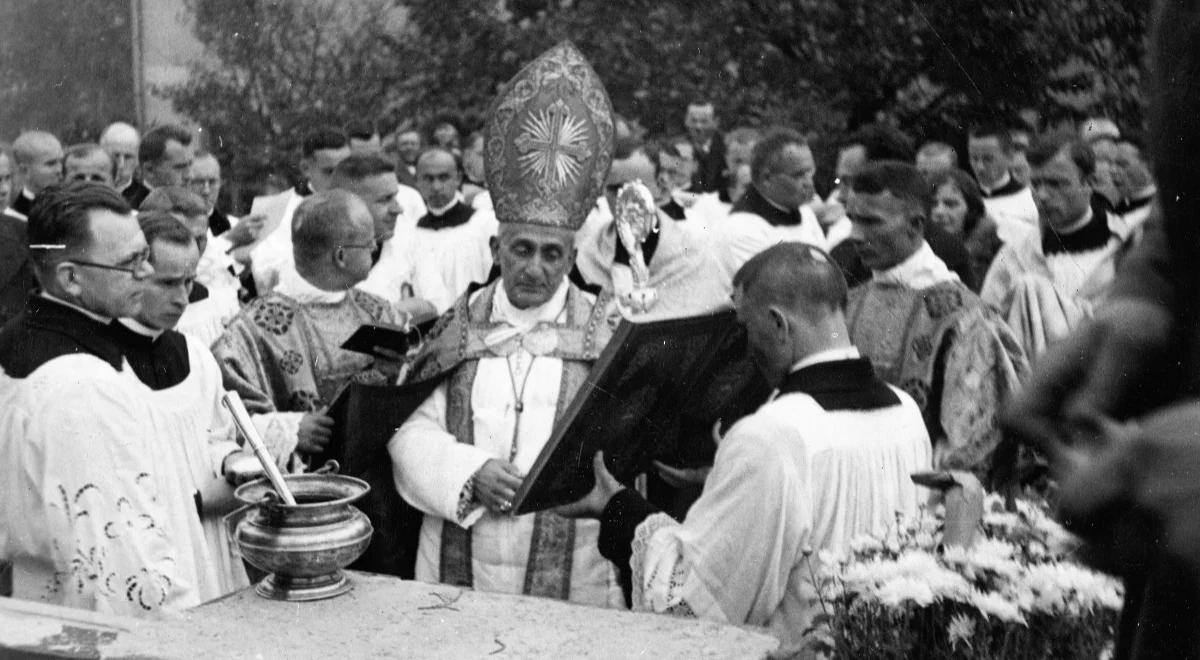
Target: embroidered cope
{"points": [[929, 335], [498, 356]]}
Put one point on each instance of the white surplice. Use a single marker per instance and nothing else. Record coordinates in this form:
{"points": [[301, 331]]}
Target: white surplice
{"points": [[99, 508], [191, 413], [1044, 297], [789, 478], [446, 261], [1016, 214], [272, 254], [431, 467], [742, 235]]}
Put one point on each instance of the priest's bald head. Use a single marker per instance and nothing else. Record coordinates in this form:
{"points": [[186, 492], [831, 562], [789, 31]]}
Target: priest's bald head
{"points": [[791, 299], [333, 238], [87, 248]]}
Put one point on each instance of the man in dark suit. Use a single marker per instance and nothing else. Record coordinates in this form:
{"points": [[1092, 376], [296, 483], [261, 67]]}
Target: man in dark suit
{"points": [[166, 156], [709, 146], [38, 156], [1130, 490], [16, 271]]}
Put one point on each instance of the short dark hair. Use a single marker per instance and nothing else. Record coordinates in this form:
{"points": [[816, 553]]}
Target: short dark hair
{"points": [[360, 166], [174, 199], [154, 143], [796, 276], [881, 142], [768, 149], [361, 129], [970, 191], [742, 135], [997, 130], [162, 226], [902, 179], [1047, 147], [320, 139], [60, 217], [321, 222]]}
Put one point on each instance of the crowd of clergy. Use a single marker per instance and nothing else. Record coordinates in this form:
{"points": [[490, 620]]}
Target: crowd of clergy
{"points": [[892, 316]]}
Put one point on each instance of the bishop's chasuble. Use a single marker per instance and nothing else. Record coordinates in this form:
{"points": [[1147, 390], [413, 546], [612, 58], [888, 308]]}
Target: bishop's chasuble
{"points": [[510, 374], [283, 354], [99, 511], [929, 335]]}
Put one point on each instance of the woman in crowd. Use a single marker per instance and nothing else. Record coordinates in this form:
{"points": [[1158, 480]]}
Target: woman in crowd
{"points": [[958, 209]]}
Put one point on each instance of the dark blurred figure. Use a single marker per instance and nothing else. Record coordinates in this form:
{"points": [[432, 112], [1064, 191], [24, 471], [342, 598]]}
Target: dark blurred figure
{"points": [[1132, 492]]}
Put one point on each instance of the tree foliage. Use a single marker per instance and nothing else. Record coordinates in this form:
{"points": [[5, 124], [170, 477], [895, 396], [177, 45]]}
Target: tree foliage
{"points": [[65, 67], [277, 68], [824, 65]]}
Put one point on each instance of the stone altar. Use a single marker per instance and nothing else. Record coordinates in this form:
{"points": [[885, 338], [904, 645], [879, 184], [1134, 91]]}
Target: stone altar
{"points": [[381, 617]]}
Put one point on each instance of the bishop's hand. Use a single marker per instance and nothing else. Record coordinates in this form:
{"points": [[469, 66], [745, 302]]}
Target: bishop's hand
{"points": [[592, 505], [316, 430], [496, 484]]}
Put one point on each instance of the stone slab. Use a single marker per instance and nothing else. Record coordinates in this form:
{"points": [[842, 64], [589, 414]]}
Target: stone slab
{"points": [[387, 617]]}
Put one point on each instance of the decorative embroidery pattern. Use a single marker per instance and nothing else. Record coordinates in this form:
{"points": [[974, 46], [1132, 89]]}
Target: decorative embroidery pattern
{"points": [[88, 568], [291, 362], [552, 146], [922, 347], [919, 391], [303, 401], [942, 300], [274, 317]]}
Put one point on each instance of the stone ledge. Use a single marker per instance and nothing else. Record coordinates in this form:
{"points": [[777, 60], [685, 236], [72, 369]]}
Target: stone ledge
{"points": [[381, 617]]}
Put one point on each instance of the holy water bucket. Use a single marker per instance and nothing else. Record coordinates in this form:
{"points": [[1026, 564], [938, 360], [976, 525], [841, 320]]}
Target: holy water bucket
{"points": [[304, 546]]}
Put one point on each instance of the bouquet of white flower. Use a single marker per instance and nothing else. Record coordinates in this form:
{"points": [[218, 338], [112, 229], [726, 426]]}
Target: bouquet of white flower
{"points": [[1015, 593]]}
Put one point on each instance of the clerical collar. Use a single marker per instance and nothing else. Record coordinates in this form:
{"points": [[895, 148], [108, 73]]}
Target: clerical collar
{"points": [[921, 270], [158, 358], [1006, 186], [754, 202], [674, 210], [54, 328], [827, 355], [458, 197], [1141, 200], [503, 311], [99, 318], [1090, 233], [294, 286], [141, 328], [27, 194], [840, 384], [454, 215]]}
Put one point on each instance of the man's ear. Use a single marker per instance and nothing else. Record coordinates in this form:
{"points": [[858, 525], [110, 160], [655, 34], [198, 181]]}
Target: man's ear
{"points": [[917, 222], [338, 257], [66, 276], [494, 244], [779, 320]]}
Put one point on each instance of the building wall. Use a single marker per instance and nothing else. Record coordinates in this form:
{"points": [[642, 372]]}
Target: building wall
{"points": [[167, 49]]}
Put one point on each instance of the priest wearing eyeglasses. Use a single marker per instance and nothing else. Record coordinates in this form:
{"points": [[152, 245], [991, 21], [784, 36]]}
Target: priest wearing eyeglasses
{"points": [[99, 511], [283, 352]]}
